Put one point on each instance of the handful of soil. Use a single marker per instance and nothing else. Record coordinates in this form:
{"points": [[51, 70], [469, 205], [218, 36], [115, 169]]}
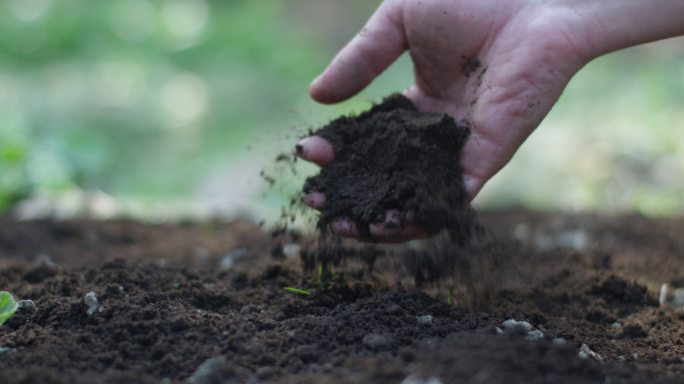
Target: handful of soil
{"points": [[394, 157]]}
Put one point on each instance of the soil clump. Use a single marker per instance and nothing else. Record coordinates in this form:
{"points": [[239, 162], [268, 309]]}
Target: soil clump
{"points": [[396, 158]]}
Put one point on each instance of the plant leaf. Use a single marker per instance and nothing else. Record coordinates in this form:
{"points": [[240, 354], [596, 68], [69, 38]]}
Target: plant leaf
{"points": [[7, 306], [297, 291]]}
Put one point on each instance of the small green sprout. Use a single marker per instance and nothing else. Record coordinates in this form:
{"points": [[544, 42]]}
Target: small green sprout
{"points": [[7, 306], [297, 291], [322, 277]]}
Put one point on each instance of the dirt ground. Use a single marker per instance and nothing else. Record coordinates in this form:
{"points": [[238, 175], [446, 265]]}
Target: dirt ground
{"points": [[205, 303]]}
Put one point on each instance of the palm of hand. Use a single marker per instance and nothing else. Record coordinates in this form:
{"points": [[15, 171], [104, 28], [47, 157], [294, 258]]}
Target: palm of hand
{"points": [[526, 55]]}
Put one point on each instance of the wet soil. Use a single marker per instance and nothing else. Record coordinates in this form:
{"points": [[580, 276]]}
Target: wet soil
{"points": [[205, 303], [395, 158]]}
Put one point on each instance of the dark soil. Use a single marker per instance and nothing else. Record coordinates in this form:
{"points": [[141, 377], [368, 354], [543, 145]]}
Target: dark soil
{"points": [[205, 301], [394, 157]]}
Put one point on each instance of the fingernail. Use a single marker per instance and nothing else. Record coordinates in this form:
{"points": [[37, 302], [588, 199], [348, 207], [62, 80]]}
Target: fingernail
{"points": [[393, 220], [314, 199], [471, 186], [342, 226], [301, 148], [315, 81]]}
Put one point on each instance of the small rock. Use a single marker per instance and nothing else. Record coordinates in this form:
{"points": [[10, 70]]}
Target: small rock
{"points": [[616, 325], [219, 370], [376, 342], [534, 335], [499, 331], [415, 379], [91, 301], [6, 351], [585, 353], [558, 340], [670, 296], [26, 306], [291, 250], [512, 323], [576, 239], [231, 257], [425, 320], [521, 232]]}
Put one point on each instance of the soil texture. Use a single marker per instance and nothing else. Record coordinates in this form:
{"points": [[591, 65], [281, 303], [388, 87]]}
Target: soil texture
{"points": [[395, 158], [122, 302]]}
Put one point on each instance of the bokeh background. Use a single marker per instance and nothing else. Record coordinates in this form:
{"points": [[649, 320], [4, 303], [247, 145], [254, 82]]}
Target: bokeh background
{"points": [[170, 109]]}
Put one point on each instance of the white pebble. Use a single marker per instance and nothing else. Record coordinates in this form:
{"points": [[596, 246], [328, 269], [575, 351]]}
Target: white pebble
{"points": [[26, 305], [425, 320], [231, 257], [535, 335], [90, 299], [585, 353], [511, 323], [415, 379], [291, 250]]}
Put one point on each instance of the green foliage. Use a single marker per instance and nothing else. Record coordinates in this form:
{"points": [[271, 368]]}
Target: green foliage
{"points": [[7, 306], [158, 101]]}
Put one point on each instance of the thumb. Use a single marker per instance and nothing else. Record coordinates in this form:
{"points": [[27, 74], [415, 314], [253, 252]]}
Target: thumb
{"points": [[369, 53]]}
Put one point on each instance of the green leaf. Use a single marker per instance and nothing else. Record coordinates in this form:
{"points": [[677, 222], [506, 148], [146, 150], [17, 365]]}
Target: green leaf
{"points": [[297, 291], [7, 306]]}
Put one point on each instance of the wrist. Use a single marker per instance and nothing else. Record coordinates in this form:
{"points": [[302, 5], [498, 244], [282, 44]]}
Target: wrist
{"points": [[610, 25]]}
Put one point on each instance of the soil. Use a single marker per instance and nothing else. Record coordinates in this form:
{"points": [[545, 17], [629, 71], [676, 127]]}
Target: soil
{"points": [[394, 157], [205, 303]]}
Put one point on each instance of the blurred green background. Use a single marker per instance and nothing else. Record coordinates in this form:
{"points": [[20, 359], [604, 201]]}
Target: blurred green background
{"points": [[166, 109]]}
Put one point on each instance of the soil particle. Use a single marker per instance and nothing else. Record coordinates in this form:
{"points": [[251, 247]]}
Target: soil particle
{"points": [[470, 65]]}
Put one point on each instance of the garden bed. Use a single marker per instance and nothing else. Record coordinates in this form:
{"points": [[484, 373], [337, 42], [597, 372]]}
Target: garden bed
{"points": [[205, 303]]}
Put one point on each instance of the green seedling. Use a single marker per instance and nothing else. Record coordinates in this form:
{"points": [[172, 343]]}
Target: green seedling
{"points": [[7, 306], [297, 291], [322, 277]]}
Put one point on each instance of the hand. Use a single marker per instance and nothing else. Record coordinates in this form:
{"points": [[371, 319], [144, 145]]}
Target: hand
{"points": [[500, 65]]}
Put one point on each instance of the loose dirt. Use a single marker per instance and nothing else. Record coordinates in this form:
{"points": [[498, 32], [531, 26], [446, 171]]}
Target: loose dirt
{"points": [[205, 303], [394, 157]]}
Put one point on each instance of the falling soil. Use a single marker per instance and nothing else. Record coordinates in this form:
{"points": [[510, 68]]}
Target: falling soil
{"points": [[396, 158], [205, 303]]}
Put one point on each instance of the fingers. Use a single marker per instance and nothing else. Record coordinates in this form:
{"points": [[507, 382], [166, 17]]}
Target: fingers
{"points": [[369, 53], [315, 200], [512, 106], [393, 229], [480, 160], [315, 149]]}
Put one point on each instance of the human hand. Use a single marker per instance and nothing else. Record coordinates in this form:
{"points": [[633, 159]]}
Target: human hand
{"points": [[499, 65]]}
